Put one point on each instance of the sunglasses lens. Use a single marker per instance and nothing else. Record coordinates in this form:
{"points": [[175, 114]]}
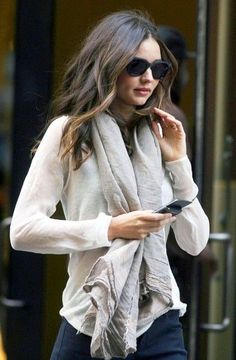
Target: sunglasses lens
{"points": [[160, 69], [137, 67]]}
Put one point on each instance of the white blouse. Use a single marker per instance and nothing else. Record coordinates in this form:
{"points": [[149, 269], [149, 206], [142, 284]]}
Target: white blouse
{"points": [[83, 234]]}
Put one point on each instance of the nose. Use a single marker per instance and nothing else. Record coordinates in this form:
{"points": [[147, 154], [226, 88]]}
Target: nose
{"points": [[147, 76]]}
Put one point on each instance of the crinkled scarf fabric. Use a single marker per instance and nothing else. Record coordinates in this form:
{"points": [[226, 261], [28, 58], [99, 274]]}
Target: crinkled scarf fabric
{"points": [[131, 270]]}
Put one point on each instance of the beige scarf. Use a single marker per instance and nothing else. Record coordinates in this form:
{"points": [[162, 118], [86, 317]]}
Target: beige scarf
{"points": [[131, 282]]}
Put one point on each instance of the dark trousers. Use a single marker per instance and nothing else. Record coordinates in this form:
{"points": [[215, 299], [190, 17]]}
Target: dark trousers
{"points": [[162, 341]]}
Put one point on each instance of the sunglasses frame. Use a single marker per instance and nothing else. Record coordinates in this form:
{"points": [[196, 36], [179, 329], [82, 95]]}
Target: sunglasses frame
{"points": [[147, 66]]}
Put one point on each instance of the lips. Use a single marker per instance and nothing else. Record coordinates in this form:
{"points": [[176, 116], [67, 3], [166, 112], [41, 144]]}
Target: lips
{"points": [[142, 91]]}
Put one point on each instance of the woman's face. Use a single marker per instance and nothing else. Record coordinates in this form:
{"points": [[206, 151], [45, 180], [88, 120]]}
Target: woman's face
{"points": [[135, 90]]}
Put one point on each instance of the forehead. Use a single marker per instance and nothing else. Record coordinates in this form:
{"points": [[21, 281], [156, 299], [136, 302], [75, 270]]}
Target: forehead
{"points": [[149, 50]]}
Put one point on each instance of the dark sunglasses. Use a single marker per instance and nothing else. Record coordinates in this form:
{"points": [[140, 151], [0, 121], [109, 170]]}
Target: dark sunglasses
{"points": [[138, 66]]}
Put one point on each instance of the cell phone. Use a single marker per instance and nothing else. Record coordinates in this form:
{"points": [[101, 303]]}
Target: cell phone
{"points": [[175, 207]]}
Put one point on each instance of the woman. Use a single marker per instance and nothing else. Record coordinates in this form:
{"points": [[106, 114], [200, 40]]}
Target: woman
{"points": [[113, 155]]}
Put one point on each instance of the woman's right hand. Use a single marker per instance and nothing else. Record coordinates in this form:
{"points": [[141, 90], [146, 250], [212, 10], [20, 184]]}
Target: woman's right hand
{"points": [[137, 224]]}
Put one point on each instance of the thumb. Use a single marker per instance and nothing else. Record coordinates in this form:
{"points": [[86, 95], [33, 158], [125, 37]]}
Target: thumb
{"points": [[157, 129]]}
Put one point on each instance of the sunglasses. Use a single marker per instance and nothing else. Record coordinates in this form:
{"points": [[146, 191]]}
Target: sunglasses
{"points": [[138, 66]]}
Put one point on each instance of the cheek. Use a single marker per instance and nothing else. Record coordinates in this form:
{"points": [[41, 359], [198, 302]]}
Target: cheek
{"points": [[125, 82], [155, 85]]}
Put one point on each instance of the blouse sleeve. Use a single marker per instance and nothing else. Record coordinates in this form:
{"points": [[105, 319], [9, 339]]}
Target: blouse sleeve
{"points": [[32, 228], [191, 227]]}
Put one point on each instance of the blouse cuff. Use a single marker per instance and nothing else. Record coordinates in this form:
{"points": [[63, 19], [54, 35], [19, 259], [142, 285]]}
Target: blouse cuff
{"points": [[103, 223], [180, 172]]}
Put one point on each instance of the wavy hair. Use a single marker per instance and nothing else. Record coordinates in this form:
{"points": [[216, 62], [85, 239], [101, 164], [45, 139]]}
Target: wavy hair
{"points": [[89, 84]]}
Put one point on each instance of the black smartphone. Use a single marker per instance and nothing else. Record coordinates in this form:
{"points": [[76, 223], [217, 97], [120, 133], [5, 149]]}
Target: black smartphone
{"points": [[175, 207]]}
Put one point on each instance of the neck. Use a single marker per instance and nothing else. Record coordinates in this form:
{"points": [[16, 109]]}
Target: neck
{"points": [[122, 111]]}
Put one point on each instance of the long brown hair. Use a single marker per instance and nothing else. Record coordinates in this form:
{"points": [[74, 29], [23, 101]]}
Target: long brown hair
{"points": [[89, 85]]}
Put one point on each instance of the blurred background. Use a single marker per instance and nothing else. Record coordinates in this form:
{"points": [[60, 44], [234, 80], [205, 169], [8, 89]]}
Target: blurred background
{"points": [[37, 38]]}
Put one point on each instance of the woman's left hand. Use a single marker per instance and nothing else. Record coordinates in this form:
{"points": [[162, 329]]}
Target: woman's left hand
{"points": [[170, 134]]}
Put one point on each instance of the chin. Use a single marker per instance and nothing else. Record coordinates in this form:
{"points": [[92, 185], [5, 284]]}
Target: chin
{"points": [[140, 102]]}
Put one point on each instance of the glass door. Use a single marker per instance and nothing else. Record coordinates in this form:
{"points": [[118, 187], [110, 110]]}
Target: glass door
{"points": [[7, 59], [217, 291], [25, 78]]}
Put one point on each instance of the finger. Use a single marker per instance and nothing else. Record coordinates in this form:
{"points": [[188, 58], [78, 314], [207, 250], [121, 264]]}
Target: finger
{"points": [[172, 121], [150, 218], [157, 129], [167, 221], [173, 128], [165, 122], [162, 217], [150, 215], [160, 224], [166, 117], [159, 119], [162, 113]]}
